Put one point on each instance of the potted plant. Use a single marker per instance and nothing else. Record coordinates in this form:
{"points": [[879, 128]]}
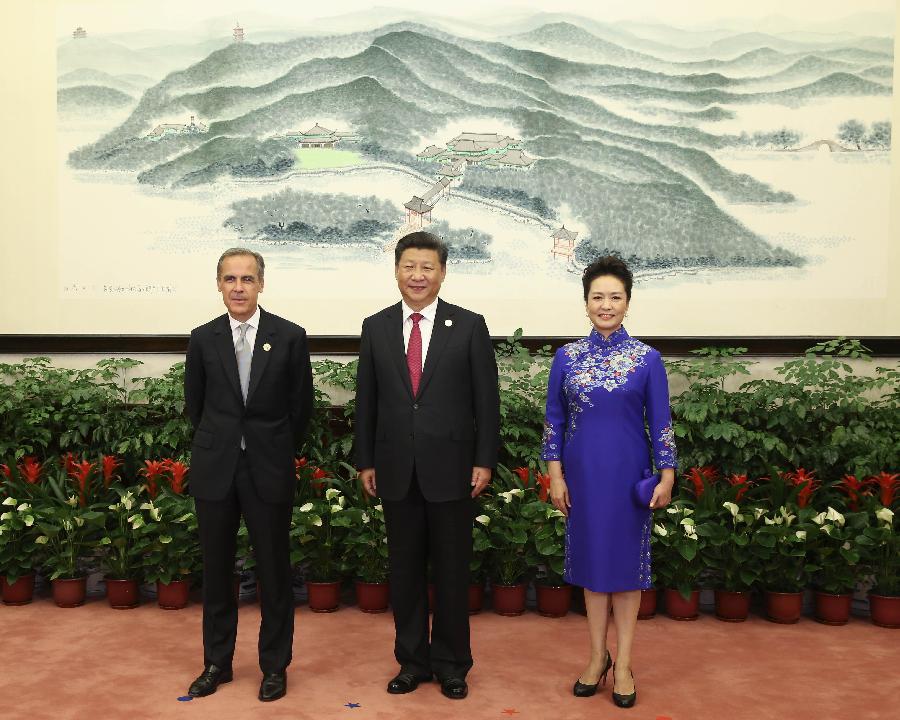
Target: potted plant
{"points": [[554, 595], [730, 560], [68, 532], [18, 551], [676, 546], [365, 554], [481, 548], [881, 557], [511, 554], [835, 552], [169, 546], [316, 543], [122, 558], [781, 543]]}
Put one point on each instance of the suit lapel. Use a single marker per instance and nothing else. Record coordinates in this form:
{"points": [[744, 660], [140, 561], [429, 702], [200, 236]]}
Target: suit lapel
{"points": [[393, 333], [440, 333], [224, 342], [265, 335]]}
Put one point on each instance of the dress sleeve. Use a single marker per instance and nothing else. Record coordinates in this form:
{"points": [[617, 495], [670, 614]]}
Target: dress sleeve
{"points": [[659, 415], [557, 410]]}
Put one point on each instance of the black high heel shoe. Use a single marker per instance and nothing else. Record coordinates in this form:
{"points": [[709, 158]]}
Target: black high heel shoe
{"points": [[623, 701], [582, 690]]}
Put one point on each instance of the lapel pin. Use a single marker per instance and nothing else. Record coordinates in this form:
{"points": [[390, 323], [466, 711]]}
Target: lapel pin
{"points": [[267, 347], [448, 322]]}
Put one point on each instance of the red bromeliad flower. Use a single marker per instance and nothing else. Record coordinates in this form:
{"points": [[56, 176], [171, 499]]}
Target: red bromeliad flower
{"points": [[741, 483], [6, 471], [699, 479], [178, 471], [806, 481], [709, 473], [317, 477], [81, 474], [887, 486], [152, 470], [69, 460], [30, 469], [109, 464], [299, 464], [524, 475], [543, 482], [853, 488]]}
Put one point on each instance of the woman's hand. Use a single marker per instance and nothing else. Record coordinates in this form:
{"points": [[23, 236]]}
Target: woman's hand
{"points": [[662, 493], [559, 491]]}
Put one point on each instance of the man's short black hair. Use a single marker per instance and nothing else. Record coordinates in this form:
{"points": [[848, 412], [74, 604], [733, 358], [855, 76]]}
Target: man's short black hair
{"points": [[609, 265], [421, 240]]}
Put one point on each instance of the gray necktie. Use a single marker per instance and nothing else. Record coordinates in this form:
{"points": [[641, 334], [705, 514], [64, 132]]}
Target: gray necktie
{"points": [[244, 356]]}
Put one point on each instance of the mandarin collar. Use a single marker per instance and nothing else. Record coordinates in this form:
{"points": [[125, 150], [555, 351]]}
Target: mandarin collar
{"points": [[616, 338]]}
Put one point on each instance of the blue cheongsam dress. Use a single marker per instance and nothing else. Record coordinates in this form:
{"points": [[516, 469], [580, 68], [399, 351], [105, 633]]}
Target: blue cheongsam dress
{"points": [[600, 393]]}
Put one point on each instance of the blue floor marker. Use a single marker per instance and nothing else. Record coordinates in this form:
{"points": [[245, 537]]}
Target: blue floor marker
{"points": [[352, 705], [185, 698]]}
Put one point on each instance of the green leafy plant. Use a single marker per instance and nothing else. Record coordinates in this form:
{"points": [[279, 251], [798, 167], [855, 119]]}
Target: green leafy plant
{"points": [[19, 553], [512, 554], [168, 540], [835, 550], [316, 539], [677, 544], [365, 550], [729, 552], [68, 533], [122, 551], [781, 542], [548, 531], [881, 552]]}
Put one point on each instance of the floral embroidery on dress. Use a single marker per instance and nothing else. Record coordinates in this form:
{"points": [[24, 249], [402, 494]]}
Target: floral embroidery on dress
{"points": [[551, 450], [666, 454], [598, 362], [645, 574]]}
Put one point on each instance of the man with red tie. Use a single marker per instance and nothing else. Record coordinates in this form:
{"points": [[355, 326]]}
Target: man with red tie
{"points": [[426, 441]]}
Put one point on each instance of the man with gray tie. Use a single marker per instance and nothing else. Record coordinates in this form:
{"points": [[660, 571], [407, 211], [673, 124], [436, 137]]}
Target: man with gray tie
{"points": [[248, 392]]}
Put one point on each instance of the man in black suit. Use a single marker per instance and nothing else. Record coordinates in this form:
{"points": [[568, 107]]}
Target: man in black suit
{"points": [[248, 391], [427, 430]]}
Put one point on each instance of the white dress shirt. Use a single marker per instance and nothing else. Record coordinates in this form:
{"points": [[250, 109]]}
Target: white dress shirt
{"points": [[252, 326], [426, 325]]}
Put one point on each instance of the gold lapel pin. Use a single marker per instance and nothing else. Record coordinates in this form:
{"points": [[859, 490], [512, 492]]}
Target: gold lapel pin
{"points": [[267, 347], [448, 322]]}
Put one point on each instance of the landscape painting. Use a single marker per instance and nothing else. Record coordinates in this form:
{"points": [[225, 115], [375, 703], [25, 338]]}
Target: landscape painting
{"points": [[728, 162]]}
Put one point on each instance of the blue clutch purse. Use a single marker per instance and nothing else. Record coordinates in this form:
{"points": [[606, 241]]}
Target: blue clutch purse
{"points": [[643, 489]]}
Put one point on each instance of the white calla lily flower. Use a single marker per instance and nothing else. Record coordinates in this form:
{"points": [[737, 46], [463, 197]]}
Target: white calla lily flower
{"points": [[306, 507], [731, 507], [483, 519], [10, 501], [660, 530], [886, 515]]}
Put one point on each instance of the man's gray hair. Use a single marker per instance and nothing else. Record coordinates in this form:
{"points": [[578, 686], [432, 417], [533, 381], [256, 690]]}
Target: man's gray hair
{"points": [[232, 252]]}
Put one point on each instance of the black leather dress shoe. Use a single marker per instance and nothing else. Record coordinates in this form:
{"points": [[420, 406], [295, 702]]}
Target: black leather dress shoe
{"points": [[406, 682], [454, 688], [273, 686], [209, 680]]}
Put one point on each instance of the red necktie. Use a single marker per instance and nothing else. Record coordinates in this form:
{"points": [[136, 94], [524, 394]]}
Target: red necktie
{"points": [[414, 353]]}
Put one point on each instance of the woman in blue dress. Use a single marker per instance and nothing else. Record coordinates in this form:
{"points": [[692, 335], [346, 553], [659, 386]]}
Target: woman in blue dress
{"points": [[602, 390]]}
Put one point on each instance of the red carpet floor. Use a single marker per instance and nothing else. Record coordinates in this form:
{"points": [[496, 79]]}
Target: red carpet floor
{"points": [[95, 662]]}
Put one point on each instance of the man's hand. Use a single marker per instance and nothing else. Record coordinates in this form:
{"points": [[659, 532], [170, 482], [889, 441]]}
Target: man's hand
{"points": [[481, 476], [367, 478]]}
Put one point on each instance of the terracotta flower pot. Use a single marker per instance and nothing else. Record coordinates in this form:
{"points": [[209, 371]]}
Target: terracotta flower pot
{"points": [[678, 608], [833, 609], [372, 597], [122, 594], [173, 595], [649, 599], [69, 592], [476, 598], [324, 596], [508, 599], [554, 600], [20, 592], [784, 608], [885, 610], [732, 606]]}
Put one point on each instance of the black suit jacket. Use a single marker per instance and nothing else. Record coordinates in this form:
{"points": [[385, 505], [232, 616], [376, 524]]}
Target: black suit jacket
{"points": [[274, 420], [450, 426]]}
